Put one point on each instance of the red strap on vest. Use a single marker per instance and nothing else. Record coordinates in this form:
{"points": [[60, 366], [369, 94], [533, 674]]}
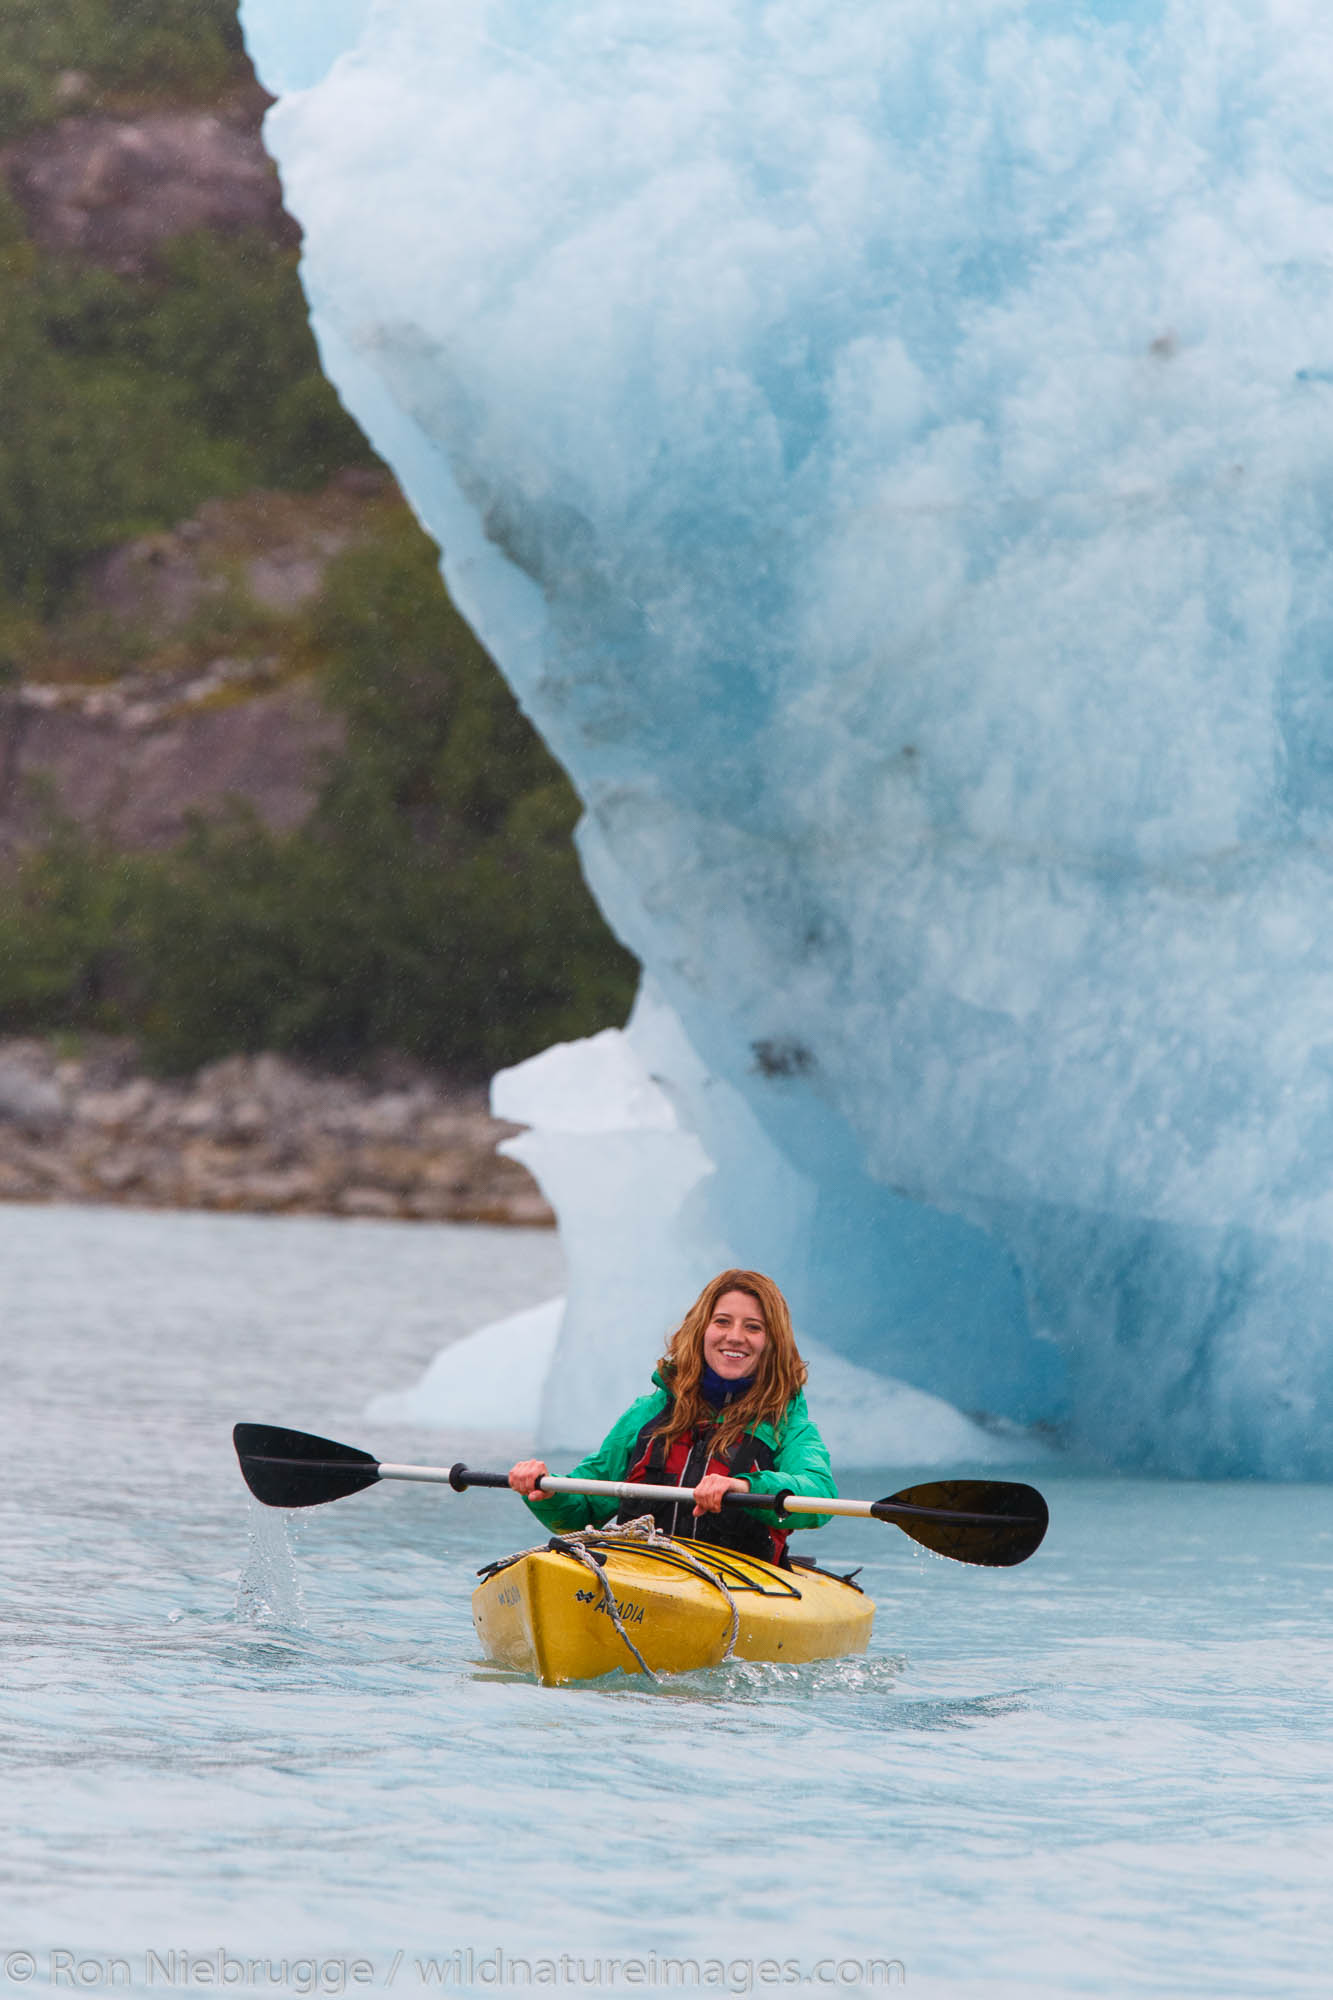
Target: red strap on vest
{"points": [[671, 1469], [671, 1472]]}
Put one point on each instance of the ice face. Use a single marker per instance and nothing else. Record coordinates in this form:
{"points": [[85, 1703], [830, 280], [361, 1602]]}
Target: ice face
{"points": [[888, 451], [661, 1176], [646, 1213]]}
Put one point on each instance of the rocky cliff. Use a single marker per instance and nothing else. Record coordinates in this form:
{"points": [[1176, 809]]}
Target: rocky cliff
{"points": [[216, 703], [175, 680], [113, 190]]}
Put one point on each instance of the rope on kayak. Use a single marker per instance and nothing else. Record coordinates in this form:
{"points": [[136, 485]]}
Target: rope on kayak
{"points": [[644, 1531]]}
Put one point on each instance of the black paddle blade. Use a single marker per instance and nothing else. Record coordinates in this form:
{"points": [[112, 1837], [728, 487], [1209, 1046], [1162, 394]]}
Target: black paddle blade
{"points": [[994, 1522], [294, 1469]]}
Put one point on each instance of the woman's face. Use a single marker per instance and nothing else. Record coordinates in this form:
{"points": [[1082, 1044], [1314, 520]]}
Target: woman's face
{"points": [[734, 1337]]}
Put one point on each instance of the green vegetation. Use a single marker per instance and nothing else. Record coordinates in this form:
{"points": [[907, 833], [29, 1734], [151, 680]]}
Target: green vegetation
{"points": [[433, 903], [131, 400], [181, 50]]}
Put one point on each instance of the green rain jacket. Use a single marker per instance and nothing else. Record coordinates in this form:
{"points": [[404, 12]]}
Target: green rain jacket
{"points": [[801, 1465]]}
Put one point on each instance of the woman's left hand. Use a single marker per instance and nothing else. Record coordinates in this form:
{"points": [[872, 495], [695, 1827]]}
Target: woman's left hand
{"points": [[708, 1493]]}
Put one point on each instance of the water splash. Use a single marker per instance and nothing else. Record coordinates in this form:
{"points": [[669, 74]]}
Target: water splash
{"points": [[269, 1589]]}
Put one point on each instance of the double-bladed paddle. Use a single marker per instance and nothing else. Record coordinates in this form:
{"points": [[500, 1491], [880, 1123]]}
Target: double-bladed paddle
{"points": [[989, 1521]]}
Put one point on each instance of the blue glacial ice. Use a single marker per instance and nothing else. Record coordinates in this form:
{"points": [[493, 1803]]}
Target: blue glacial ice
{"points": [[656, 1170], [888, 450]]}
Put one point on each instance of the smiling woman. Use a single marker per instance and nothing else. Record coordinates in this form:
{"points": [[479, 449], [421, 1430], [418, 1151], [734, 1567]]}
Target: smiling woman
{"points": [[726, 1414]]}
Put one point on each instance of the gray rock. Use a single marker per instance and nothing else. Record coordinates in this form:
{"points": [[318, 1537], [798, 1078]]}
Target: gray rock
{"points": [[113, 189], [373, 1202], [388, 1117], [33, 1103], [112, 1110], [260, 1133]]}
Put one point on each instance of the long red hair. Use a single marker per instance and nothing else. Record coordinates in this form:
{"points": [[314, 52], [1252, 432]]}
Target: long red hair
{"points": [[779, 1375]]}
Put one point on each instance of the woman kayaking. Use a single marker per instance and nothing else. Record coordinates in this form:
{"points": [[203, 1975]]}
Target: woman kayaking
{"points": [[726, 1414]]}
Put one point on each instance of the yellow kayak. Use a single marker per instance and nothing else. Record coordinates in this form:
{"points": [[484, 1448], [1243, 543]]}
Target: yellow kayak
{"points": [[666, 1605]]}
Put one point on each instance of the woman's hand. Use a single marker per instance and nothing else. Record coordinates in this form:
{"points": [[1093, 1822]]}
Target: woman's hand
{"points": [[523, 1477], [708, 1493]]}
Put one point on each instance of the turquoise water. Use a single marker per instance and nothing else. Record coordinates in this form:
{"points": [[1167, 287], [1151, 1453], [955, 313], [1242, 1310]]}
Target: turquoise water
{"points": [[237, 1755]]}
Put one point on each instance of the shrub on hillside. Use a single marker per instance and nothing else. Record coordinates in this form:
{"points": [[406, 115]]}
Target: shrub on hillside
{"points": [[171, 48], [131, 400], [433, 903]]}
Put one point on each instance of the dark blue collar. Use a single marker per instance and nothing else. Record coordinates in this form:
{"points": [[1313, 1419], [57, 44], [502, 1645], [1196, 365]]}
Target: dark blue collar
{"points": [[719, 1391]]}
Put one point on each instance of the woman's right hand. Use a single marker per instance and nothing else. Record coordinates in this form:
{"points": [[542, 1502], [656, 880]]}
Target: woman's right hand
{"points": [[523, 1477]]}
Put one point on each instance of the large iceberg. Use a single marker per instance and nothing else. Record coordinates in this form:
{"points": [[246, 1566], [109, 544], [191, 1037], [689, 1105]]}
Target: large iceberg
{"points": [[888, 450]]}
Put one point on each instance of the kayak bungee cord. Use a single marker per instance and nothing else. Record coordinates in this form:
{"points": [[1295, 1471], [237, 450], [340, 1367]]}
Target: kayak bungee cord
{"points": [[645, 1537]]}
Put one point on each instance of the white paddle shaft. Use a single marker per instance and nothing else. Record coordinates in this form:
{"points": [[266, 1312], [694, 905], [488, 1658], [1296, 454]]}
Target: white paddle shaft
{"points": [[621, 1489]]}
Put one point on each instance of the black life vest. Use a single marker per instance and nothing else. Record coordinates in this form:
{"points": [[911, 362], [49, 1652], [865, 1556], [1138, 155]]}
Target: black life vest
{"points": [[684, 1463]]}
